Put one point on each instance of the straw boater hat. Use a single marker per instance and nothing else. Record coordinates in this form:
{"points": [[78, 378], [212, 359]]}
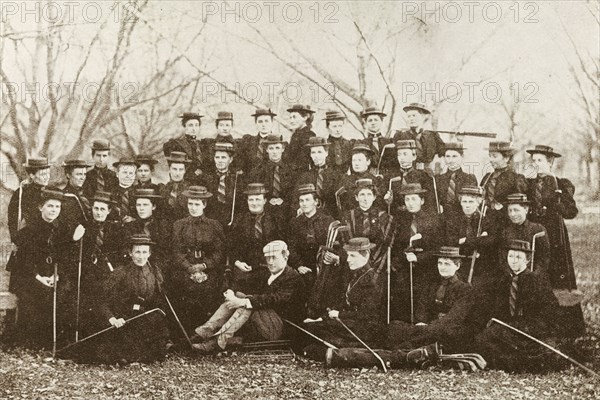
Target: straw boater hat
{"points": [[334, 115], [471, 191], [178, 157], [317, 141], [422, 108], [124, 161], [300, 108], [362, 148], [406, 144], [516, 198], [225, 146], [255, 189], [103, 197], [197, 192], [519, 245], [100, 145], [449, 252], [372, 110], [501, 147], [359, 244], [140, 239], [411, 188], [365, 183], [35, 163], [75, 164], [148, 193], [456, 146], [263, 111], [542, 149]]}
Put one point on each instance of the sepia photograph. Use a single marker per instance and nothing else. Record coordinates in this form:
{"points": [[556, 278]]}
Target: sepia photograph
{"points": [[299, 199]]}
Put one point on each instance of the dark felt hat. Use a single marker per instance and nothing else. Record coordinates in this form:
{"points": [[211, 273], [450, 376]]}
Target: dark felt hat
{"points": [[263, 111], [104, 197], [359, 244], [519, 245], [51, 193], [140, 239], [516, 198], [125, 161], [37, 163], [406, 144], [255, 188], [305, 189], [417, 106], [362, 148], [197, 192], [190, 115], [365, 183], [411, 188], [273, 139], [224, 115], [449, 252], [144, 159], [178, 157], [334, 115], [101, 145], [317, 141], [542, 149], [372, 110], [300, 108]]}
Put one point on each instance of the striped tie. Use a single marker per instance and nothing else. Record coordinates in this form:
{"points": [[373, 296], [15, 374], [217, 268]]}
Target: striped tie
{"points": [[470, 219], [100, 183], [419, 144], [258, 227], [513, 295], [366, 225], [198, 151], [125, 203], [100, 237], [376, 143], [320, 180], [451, 195], [440, 293], [413, 225], [260, 150], [276, 182], [490, 189], [221, 189]]}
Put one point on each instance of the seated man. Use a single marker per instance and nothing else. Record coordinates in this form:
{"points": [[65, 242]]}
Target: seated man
{"points": [[441, 309], [261, 314], [524, 300]]}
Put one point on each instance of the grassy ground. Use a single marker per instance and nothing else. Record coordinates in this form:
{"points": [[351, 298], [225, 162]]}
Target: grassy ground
{"points": [[28, 375]]}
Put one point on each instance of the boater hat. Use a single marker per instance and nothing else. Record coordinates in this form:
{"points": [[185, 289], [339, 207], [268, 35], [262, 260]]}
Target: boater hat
{"points": [[48, 193], [224, 116], [372, 110], [542, 149], [263, 111], [255, 188], [362, 148], [417, 106], [406, 144], [178, 157], [334, 115], [190, 115], [471, 191], [225, 146], [516, 198], [501, 147], [148, 193], [37, 163], [456, 146], [519, 245], [124, 161], [75, 164], [140, 239], [359, 244], [317, 141], [273, 139], [103, 197], [449, 252], [144, 159], [305, 189], [365, 183], [100, 145], [197, 192], [300, 108]]}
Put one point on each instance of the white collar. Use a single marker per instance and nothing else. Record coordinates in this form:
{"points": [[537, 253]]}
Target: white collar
{"points": [[274, 276]]}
